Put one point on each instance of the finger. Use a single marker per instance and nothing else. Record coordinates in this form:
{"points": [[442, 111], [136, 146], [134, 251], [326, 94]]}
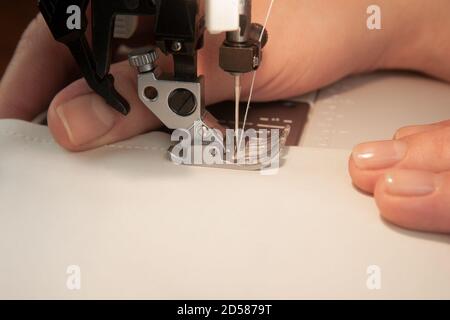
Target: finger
{"points": [[410, 130], [428, 151], [79, 119], [418, 200], [39, 69]]}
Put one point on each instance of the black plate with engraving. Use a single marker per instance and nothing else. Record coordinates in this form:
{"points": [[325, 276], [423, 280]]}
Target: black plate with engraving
{"points": [[267, 115]]}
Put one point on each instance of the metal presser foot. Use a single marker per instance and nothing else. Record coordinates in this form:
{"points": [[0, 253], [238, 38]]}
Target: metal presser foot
{"points": [[259, 150], [199, 139]]}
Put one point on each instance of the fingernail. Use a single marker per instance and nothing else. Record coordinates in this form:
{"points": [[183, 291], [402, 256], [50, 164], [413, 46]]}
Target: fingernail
{"points": [[411, 183], [379, 155], [86, 119]]}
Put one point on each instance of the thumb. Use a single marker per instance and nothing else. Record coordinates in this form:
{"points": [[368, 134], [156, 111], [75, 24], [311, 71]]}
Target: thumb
{"points": [[79, 119]]}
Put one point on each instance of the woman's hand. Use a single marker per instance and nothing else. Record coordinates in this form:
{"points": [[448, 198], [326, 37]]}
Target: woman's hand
{"points": [[409, 176]]}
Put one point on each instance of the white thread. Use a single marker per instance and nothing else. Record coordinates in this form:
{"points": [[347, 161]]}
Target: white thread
{"points": [[269, 11]]}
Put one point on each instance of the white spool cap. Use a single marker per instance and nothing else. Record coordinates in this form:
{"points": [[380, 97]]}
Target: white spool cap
{"points": [[222, 15]]}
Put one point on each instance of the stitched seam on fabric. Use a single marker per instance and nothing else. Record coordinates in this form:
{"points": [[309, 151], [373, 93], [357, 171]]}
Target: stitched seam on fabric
{"points": [[142, 148], [9, 133], [27, 138]]}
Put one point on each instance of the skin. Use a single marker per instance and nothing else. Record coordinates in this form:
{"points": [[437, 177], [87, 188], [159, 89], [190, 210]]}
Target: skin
{"points": [[312, 44]]}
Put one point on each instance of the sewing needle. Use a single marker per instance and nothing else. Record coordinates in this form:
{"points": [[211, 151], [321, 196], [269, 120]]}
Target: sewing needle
{"points": [[237, 97]]}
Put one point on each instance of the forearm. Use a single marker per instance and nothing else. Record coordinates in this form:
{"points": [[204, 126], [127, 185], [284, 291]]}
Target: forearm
{"points": [[421, 40], [314, 43]]}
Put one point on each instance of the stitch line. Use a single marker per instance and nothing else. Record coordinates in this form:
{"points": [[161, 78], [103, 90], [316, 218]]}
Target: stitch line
{"points": [[10, 133]]}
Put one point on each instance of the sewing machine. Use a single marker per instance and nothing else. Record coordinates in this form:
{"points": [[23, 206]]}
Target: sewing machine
{"points": [[176, 99]]}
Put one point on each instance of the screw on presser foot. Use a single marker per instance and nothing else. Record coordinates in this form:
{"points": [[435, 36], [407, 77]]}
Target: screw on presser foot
{"points": [[144, 59], [182, 102]]}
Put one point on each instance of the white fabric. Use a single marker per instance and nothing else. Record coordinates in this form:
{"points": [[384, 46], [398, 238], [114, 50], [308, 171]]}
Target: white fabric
{"points": [[140, 227], [372, 107]]}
